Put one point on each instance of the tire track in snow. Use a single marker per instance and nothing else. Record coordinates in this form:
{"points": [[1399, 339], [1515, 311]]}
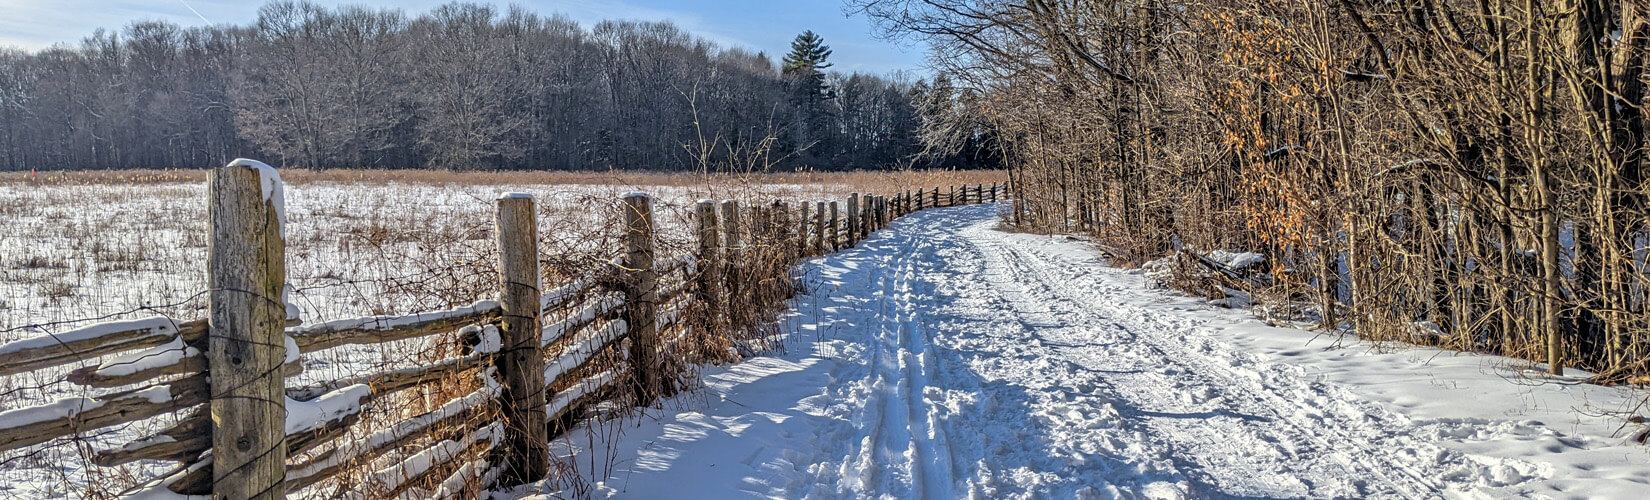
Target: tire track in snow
{"points": [[991, 369]]}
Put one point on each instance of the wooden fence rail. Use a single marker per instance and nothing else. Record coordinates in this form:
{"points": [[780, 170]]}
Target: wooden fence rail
{"points": [[237, 428]]}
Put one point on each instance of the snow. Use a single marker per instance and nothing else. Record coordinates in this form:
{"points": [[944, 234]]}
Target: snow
{"points": [[489, 339], [945, 359], [167, 354], [159, 394], [391, 477], [586, 345], [293, 313], [64, 408], [398, 431], [602, 305], [1236, 260], [310, 415], [387, 322], [637, 194], [515, 196], [292, 351], [567, 397], [562, 293], [274, 190], [157, 326]]}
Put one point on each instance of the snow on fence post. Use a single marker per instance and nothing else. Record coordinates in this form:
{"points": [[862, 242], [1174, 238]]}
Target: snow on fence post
{"points": [[245, 348], [854, 220], [710, 268], [524, 452], [641, 292], [819, 228]]}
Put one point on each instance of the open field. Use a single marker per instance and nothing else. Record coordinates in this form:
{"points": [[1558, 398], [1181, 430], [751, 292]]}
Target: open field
{"points": [[97, 246]]}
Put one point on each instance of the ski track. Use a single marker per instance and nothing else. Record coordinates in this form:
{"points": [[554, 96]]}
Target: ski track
{"points": [[980, 365]]}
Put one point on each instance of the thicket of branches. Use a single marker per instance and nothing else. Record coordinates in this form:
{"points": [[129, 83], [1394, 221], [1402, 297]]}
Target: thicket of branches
{"points": [[1467, 173], [463, 86]]}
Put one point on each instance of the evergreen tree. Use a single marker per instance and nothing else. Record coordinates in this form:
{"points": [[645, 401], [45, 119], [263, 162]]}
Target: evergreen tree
{"points": [[804, 69]]}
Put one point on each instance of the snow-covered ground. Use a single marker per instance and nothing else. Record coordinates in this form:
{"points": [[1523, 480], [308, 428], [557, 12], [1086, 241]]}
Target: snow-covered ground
{"points": [[79, 254], [945, 359]]}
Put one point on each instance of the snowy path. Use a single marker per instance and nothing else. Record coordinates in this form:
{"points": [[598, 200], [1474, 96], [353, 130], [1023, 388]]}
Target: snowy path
{"points": [[945, 359]]}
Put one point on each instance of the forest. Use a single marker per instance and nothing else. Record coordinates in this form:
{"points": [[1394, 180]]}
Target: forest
{"points": [[462, 87], [1461, 173]]}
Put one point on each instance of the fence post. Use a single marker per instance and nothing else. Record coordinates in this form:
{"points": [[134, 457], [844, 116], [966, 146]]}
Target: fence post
{"points": [[867, 218], [524, 452], [854, 220], [993, 192], [802, 233], [710, 266], [819, 229], [870, 213], [245, 346], [834, 232], [641, 294], [733, 247]]}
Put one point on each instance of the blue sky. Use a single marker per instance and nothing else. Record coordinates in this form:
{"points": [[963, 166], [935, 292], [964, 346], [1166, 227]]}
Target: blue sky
{"points": [[761, 25]]}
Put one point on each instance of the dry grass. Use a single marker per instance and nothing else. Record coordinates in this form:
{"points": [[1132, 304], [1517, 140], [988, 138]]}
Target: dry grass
{"points": [[866, 180]]}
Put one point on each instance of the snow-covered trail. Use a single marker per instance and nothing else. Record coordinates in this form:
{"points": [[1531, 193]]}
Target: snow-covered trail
{"points": [[945, 359]]}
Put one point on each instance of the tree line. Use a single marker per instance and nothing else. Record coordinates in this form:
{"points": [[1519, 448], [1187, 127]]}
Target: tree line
{"points": [[1464, 173], [463, 86]]}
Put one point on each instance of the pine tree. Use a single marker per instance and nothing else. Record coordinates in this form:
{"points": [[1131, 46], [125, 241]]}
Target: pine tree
{"points": [[803, 67], [808, 53]]}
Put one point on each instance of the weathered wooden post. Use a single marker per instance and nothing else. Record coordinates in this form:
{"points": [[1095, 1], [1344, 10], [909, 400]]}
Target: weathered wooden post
{"points": [[979, 194], [870, 213], [710, 265], [524, 452], [834, 232], [854, 220], [641, 293], [802, 233], [730, 226], [246, 271], [867, 218], [951, 198], [934, 198], [993, 192], [732, 251], [820, 247]]}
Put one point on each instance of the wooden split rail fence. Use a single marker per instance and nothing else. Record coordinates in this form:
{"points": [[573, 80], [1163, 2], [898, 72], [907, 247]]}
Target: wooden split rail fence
{"points": [[245, 432]]}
